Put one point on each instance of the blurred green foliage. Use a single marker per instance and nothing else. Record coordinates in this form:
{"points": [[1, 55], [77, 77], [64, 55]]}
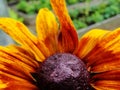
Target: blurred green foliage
{"points": [[14, 15], [82, 17], [32, 6], [95, 13], [69, 2]]}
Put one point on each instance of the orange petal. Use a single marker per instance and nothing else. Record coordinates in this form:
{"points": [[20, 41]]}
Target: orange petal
{"points": [[108, 75], [106, 85], [15, 69], [2, 85], [111, 63], [67, 39], [88, 42], [20, 52], [22, 35], [11, 84], [11, 81], [111, 39], [106, 54], [47, 29], [15, 63], [107, 80]]}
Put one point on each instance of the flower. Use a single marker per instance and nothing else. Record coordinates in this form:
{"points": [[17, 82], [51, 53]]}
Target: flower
{"points": [[98, 49]]}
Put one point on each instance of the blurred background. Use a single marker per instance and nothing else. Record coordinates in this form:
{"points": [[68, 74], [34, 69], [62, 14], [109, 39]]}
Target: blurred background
{"points": [[86, 14]]}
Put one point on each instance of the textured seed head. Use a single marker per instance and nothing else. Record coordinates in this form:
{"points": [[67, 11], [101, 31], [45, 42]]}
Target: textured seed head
{"points": [[63, 71]]}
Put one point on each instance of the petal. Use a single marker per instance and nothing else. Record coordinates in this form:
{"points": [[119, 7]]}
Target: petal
{"points": [[15, 69], [109, 80], [47, 29], [112, 63], [88, 42], [112, 39], [107, 85], [11, 59], [108, 75], [17, 51], [27, 53], [22, 35], [2, 85], [16, 85], [106, 54], [67, 39]]}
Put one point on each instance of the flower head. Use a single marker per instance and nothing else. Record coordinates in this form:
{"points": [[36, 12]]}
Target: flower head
{"points": [[55, 59]]}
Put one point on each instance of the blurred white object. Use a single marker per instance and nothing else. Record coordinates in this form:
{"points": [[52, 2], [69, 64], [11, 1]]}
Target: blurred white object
{"points": [[4, 38]]}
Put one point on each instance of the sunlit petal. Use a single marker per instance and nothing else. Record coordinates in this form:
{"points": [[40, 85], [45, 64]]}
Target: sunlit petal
{"points": [[89, 41], [112, 63], [22, 35], [15, 68], [108, 75], [67, 39], [47, 29], [2, 85], [107, 85], [12, 84], [16, 63], [106, 54]]}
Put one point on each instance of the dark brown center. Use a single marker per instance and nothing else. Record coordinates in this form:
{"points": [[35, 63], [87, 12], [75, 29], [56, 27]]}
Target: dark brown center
{"points": [[63, 71]]}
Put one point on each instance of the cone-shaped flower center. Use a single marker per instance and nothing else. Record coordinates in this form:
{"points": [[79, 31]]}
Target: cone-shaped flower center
{"points": [[63, 71]]}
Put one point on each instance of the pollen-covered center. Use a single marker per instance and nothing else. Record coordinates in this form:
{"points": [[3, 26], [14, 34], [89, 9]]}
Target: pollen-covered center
{"points": [[63, 71]]}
